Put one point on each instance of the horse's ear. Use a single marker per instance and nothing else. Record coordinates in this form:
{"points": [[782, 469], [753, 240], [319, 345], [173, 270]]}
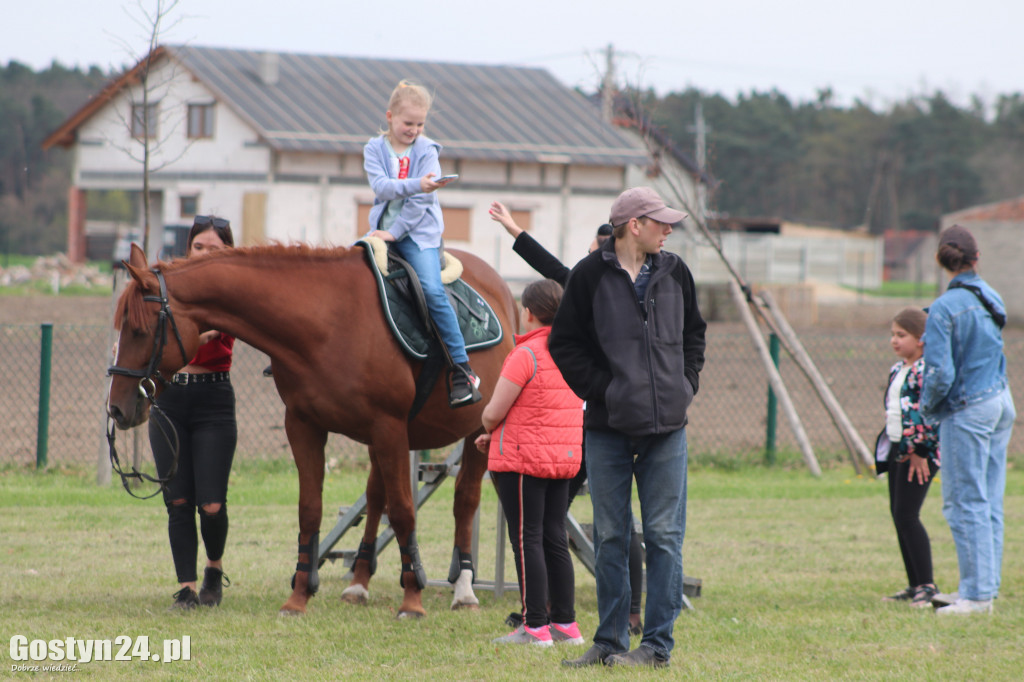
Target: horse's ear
{"points": [[137, 257], [138, 268]]}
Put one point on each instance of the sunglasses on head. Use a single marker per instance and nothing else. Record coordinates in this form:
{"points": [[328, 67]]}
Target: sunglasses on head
{"points": [[203, 220]]}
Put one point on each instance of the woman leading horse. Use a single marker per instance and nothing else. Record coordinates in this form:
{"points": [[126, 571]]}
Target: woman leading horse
{"points": [[337, 368]]}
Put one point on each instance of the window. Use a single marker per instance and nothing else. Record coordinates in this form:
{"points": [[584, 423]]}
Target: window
{"points": [[188, 205], [144, 120], [200, 120], [456, 224], [523, 219]]}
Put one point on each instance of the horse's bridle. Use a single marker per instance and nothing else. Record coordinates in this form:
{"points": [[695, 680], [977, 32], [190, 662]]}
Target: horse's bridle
{"points": [[147, 387]]}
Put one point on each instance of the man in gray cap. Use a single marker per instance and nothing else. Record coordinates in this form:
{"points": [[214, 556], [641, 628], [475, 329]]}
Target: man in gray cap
{"points": [[629, 339]]}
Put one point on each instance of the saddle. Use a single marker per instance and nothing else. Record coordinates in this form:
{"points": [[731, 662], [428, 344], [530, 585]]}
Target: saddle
{"points": [[405, 310]]}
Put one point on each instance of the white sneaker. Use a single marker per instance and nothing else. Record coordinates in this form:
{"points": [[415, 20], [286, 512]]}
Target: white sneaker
{"points": [[966, 606], [943, 599]]}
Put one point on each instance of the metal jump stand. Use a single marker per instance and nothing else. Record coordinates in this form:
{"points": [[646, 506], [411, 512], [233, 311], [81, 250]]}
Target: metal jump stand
{"points": [[427, 478]]}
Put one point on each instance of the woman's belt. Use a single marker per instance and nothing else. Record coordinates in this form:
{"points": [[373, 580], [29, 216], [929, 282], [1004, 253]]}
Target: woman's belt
{"points": [[185, 378]]}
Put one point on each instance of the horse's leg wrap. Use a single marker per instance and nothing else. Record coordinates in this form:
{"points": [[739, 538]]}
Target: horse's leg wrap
{"points": [[461, 561], [312, 550], [414, 566], [368, 551]]}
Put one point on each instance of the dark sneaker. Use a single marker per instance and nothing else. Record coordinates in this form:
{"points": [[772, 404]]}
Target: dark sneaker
{"points": [[903, 595], [595, 655], [185, 599], [464, 385], [638, 657], [923, 596], [211, 591]]}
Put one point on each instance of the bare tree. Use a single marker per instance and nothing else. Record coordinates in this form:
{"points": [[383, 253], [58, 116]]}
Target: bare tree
{"points": [[148, 126]]}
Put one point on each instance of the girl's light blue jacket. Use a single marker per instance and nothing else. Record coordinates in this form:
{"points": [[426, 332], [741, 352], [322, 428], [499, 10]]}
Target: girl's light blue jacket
{"points": [[963, 350], [420, 218]]}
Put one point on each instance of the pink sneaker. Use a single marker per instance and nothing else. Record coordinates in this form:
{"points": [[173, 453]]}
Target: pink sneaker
{"points": [[566, 634], [526, 635]]}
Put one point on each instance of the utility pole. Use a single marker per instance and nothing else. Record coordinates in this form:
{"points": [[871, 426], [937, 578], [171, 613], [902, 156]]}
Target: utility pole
{"points": [[608, 85], [700, 130]]}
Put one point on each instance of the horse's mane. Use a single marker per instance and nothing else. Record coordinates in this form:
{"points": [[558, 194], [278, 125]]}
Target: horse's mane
{"points": [[262, 253], [132, 309]]}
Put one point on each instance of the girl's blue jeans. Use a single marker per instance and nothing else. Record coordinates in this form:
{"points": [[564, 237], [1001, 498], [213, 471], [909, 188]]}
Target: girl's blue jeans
{"points": [[426, 263]]}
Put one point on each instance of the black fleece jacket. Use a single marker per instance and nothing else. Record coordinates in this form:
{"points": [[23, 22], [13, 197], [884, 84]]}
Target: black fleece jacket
{"points": [[628, 359]]}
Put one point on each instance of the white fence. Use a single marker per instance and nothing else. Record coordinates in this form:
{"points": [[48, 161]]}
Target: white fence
{"points": [[855, 262]]}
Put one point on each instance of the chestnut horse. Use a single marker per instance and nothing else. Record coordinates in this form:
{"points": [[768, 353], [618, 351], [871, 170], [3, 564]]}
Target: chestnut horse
{"points": [[338, 368]]}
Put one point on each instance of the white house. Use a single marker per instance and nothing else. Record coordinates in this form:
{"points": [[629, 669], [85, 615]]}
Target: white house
{"points": [[273, 141]]}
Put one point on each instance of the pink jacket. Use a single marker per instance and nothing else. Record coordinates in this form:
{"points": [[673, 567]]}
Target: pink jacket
{"points": [[542, 433]]}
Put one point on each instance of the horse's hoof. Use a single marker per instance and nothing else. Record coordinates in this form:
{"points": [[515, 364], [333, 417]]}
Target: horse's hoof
{"points": [[356, 594], [285, 611], [410, 615], [470, 606]]}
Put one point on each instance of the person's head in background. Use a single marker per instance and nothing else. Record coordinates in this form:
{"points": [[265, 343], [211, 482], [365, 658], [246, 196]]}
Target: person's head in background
{"points": [[209, 233], [958, 251], [540, 300], [907, 330], [604, 233]]}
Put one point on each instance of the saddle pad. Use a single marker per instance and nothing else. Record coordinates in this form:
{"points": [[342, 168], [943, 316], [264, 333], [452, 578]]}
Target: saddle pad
{"points": [[477, 320]]}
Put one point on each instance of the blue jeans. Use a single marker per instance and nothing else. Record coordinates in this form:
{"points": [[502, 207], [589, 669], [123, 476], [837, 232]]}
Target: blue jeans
{"points": [[427, 264], [659, 465], [973, 444]]}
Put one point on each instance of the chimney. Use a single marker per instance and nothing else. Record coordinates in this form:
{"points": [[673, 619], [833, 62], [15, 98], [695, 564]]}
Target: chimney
{"points": [[269, 68]]}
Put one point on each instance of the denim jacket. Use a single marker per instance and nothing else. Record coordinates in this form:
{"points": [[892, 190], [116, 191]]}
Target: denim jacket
{"points": [[963, 350]]}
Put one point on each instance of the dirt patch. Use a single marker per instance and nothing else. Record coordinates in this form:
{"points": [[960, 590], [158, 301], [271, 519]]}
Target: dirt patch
{"points": [[36, 309]]}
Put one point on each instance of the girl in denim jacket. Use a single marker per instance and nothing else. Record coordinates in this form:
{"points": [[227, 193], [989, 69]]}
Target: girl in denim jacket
{"points": [[910, 454]]}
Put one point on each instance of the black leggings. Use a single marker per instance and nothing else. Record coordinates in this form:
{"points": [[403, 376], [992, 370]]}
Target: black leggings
{"points": [[535, 509], [203, 415], [905, 501]]}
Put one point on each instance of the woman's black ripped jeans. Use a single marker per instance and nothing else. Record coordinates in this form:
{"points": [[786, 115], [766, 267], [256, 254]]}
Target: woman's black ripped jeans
{"points": [[203, 415]]}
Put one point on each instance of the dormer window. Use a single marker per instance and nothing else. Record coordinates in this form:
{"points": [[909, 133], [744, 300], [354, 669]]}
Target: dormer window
{"points": [[200, 121]]}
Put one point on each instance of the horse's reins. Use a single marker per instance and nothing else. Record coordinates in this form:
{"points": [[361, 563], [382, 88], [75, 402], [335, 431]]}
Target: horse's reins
{"points": [[147, 387]]}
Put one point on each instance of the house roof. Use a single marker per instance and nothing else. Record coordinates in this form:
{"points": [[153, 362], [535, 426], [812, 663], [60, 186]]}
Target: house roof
{"points": [[330, 104], [899, 246], [1009, 210]]}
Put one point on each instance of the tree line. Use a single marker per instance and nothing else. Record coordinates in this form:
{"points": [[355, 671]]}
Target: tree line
{"points": [[813, 162]]}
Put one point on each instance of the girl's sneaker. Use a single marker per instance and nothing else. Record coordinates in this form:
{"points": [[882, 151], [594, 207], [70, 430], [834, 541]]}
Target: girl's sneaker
{"points": [[526, 635], [566, 634]]}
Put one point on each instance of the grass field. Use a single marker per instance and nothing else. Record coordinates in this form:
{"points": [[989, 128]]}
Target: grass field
{"points": [[792, 570]]}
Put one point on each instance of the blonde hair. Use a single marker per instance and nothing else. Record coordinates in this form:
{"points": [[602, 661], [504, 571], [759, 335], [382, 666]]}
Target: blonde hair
{"points": [[407, 92]]}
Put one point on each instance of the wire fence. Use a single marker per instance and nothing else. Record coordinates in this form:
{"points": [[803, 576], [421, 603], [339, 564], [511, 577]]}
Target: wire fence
{"points": [[728, 420]]}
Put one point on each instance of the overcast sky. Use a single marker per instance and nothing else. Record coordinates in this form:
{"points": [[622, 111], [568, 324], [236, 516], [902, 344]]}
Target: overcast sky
{"points": [[878, 50]]}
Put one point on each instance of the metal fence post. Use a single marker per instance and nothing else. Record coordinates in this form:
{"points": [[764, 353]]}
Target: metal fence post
{"points": [[43, 423], [769, 435]]}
